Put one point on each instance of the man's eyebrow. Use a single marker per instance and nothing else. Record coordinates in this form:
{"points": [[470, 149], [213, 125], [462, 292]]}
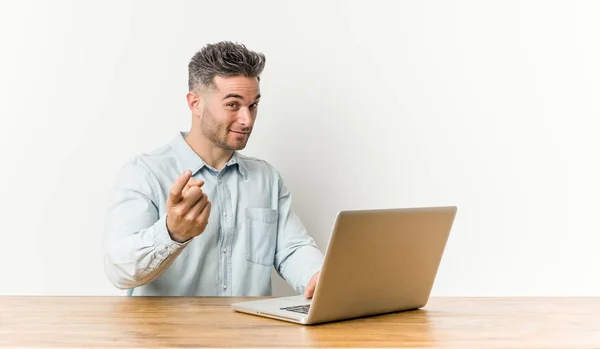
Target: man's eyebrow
{"points": [[233, 95]]}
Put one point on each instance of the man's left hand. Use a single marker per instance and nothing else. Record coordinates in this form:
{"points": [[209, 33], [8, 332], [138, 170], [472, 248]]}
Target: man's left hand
{"points": [[312, 285]]}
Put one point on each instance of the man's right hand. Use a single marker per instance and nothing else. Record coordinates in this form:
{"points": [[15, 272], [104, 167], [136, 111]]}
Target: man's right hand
{"points": [[187, 210]]}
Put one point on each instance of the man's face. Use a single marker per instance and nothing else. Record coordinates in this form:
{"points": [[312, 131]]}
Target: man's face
{"points": [[229, 111]]}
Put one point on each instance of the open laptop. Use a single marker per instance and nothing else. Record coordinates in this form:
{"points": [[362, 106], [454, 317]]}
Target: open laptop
{"points": [[377, 262]]}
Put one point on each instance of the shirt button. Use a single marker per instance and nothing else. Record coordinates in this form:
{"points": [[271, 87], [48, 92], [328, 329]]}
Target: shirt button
{"points": [[225, 250], [224, 287], [225, 213]]}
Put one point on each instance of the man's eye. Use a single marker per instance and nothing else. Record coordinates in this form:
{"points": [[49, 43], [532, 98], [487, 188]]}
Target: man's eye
{"points": [[254, 105], [232, 105]]}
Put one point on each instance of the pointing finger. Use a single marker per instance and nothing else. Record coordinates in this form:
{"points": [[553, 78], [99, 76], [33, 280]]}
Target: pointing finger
{"points": [[175, 195], [191, 183]]}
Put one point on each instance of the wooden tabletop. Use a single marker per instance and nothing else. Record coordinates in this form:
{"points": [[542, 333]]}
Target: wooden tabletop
{"points": [[135, 322]]}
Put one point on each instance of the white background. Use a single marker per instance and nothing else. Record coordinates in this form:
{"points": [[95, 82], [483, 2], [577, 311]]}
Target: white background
{"points": [[489, 105]]}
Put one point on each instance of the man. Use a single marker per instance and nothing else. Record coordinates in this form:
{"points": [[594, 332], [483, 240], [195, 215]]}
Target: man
{"points": [[195, 217]]}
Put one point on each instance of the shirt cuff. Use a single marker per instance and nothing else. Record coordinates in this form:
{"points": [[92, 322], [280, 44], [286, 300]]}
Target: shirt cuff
{"points": [[305, 263], [162, 238], [309, 272]]}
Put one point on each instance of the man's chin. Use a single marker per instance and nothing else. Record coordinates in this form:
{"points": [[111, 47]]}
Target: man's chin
{"points": [[236, 145]]}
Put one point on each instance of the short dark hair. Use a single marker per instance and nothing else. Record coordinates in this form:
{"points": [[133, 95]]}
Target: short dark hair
{"points": [[225, 59]]}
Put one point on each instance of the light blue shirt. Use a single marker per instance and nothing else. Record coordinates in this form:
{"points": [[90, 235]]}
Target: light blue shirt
{"points": [[251, 229]]}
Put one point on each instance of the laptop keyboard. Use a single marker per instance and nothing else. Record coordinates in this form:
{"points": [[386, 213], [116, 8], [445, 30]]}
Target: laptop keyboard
{"points": [[303, 309]]}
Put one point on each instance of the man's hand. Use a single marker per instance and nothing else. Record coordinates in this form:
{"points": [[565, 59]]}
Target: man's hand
{"points": [[192, 182], [309, 291], [188, 208]]}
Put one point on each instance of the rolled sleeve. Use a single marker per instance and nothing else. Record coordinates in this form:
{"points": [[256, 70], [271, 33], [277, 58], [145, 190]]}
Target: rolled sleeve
{"points": [[297, 258], [137, 244]]}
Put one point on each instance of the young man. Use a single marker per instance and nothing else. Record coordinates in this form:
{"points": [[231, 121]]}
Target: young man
{"points": [[196, 218]]}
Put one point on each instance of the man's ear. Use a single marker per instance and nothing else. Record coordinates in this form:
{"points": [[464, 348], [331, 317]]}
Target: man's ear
{"points": [[195, 102]]}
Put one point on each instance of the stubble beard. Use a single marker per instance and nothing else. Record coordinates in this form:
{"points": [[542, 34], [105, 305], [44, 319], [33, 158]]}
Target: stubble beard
{"points": [[210, 130]]}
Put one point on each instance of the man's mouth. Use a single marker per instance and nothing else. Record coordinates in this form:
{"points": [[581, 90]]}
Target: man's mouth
{"points": [[239, 132]]}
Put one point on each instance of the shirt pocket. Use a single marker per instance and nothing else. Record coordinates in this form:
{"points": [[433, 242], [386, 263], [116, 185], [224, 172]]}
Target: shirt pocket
{"points": [[261, 235]]}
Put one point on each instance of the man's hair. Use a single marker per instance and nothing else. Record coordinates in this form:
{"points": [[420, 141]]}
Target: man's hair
{"points": [[223, 59]]}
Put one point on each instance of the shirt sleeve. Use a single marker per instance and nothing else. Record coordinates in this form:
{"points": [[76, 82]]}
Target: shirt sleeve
{"points": [[137, 244], [297, 257]]}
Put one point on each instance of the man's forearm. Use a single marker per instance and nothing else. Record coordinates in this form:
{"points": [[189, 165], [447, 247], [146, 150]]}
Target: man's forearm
{"points": [[136, 258], [300, 265]]}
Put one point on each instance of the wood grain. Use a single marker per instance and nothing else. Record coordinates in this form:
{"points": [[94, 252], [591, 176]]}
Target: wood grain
{"points": [[136, 322]]}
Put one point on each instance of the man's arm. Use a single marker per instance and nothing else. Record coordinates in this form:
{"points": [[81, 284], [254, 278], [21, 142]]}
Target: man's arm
{"points": [[297, 258], [137, 244]]}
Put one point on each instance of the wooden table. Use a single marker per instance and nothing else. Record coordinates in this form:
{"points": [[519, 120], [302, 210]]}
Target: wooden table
{"points": [[134, 322]]}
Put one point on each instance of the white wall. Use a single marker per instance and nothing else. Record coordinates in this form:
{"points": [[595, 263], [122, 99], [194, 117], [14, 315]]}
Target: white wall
{"points": [[491, 106]]}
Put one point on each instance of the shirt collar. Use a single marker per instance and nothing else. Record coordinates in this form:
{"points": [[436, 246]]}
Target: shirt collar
{"points": [[236, 159], [192, 161]]}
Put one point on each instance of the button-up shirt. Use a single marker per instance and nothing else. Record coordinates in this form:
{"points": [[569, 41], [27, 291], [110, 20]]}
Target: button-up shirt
{"points": [[251, 229]]}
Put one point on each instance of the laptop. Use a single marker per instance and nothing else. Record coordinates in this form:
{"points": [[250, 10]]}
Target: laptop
{"points": [[377, 261]]}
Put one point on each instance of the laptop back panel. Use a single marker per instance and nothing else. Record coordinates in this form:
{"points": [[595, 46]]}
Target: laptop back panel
{"points": [[381, 261]]}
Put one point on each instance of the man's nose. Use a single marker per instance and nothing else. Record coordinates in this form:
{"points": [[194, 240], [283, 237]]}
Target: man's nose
{"points": [[245, 117]]}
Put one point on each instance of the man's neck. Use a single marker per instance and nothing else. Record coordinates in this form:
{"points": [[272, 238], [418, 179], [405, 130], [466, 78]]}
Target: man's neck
{"points": [[211, 154]]}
